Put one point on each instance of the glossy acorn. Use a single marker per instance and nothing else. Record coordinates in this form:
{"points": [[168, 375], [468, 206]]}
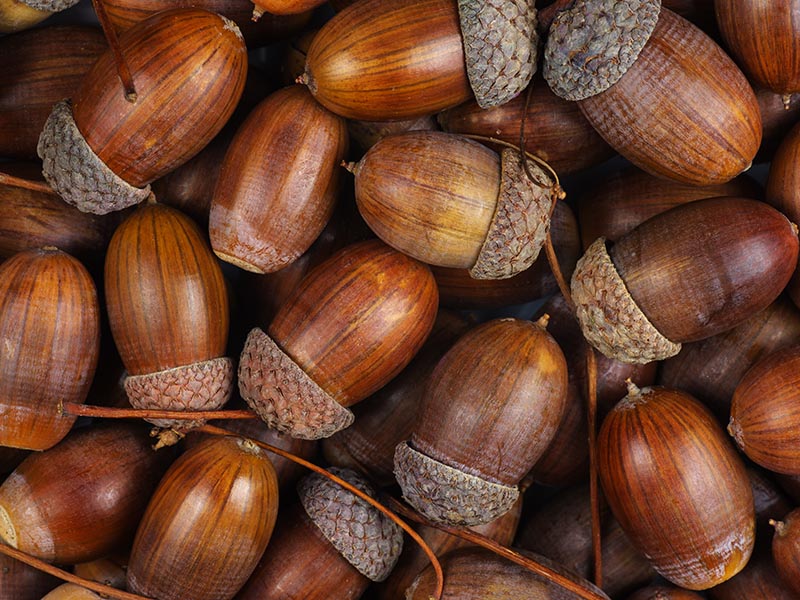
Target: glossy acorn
{"points": [[786, 550], [101, 151], [351, 325], [449, 201], [759, 580], [697, 530], [50, 332], [491, 407], [168, 311], [684, 275], [207, 524]]}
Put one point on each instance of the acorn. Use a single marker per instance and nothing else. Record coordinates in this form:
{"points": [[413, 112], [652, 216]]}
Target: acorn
{"points": [[101, 150], [365, 134], [762, 37], [491, 407], [677, 487], [20, 581], [684, 275], [16, 15], [50, 329], [109, 570], [776, 120], [40, 67], [283, 7], [212, 514], [765, 412], [770, 502], [329, 545], [759, 580], [449, 201], [656, 88], [354, 323], [168, 311], [278, 183], [664, 592], [65, 520], [382, 61], [71, 591], [786, 550]]}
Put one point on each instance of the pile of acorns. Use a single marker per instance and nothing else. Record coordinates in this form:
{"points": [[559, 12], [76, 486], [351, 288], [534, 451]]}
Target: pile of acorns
{"points": [[316, 221]]}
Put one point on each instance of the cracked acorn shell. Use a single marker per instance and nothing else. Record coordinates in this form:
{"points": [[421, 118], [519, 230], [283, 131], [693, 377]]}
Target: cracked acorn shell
{"points": [[658, 89], [101, 151], [168, 311], [50, 335], [684, 275], [449, 201], [677, 487], [491, 407], [207, 524], [353, 323], [381, 60], [16, 15]]}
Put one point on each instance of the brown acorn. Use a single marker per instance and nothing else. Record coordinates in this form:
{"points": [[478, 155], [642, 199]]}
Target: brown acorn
{"points": [[664, 592], [207, 524], [20, 581], [382, 61], [50, 329], [759, 580], [284, 7], [16, 15], [353, 323], [786, 550], [109, 570], [168, 310], [656, 88], [765, 412], [71, 591], [101, 151], [677, 487], [329, 545], [684, 275], [450, 201], [278, 183], [492, 405], [770, 502], [40, 67], [84, 516], [776, 120]]}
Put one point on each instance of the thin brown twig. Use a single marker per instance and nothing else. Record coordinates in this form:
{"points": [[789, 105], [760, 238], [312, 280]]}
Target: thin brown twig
{"points": [[26, 184], [594, 489], [113, 42], [437, 567], [86, 410], [105, 590]]}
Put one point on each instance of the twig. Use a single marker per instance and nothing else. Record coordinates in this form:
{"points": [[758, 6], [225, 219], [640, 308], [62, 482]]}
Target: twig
{"points": [[86, 410], [594, 490], [113, 42]]}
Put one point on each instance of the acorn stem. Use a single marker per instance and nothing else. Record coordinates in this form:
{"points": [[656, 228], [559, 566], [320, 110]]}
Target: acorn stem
{"points": [[594, 488], [26, 184], [113, 42], [780, 527], [787, 101], [633, 389], [86, 410], [258, 12]]}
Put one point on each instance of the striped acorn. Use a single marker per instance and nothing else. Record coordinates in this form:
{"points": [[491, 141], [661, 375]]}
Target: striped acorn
{"points": [[452, 202], [759, 580], [786, 550], [677, 487], [50, 335], [380, 60], [16, 15], [101, 150]]}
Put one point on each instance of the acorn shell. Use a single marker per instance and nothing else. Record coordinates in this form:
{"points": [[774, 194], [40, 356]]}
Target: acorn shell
{"points": [[786, 550], [759, 580], [697, 531], [71, 591], [278, 183], [16, 15], [20, 580], [664, 592], [50, 324], [212, 513]]}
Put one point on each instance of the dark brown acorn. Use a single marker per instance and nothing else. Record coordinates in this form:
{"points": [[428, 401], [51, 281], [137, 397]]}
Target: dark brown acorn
{"points": [[491, 407], [696, 270], [354, 323], [450, 201], [656, 88], [786, 550], [283, 7], [50, 335], [40, 67], [109, 570], [776, 120], [759, 580], [664, 592], [208, 523], [101, 151], [16, 15], [83, 498], [19, 581], [168, 310], [278, 183], [71, 591], [677, 487], [327, 546]]}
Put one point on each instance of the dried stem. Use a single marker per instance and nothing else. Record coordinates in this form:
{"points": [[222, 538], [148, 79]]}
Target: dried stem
{"points": [[26, 184], [86, 410], [594, 490], [105, 590], [113, 42]]}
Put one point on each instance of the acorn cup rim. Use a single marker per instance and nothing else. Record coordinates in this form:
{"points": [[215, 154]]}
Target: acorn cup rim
{"points": [[51, 6]]}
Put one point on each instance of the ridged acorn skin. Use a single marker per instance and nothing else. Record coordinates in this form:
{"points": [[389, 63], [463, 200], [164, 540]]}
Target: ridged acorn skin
{"points": [[189, 67], [786, 550], [23, 582], [278, 183], [677, 487], [759, 580], [382, 61], [762, 36], [16, 15], [66, 520], [41, 67], [50, 329], [285, 7], [765, 416], [207, 524]]}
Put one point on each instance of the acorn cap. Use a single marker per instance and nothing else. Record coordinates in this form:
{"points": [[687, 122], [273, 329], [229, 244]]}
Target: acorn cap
{"points": [[367, 538], [520, 222], [500, 47], [591, 45], [448, 495], [76, 173], [283, 395], [50, 5], [609, 317], [204, 385]]}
